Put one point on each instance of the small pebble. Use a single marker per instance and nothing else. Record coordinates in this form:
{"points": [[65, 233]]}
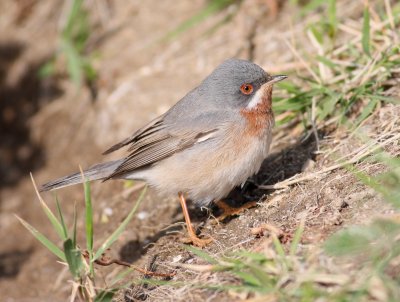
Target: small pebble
{"points": [[176, 258], [142, 215], [108, 211]]}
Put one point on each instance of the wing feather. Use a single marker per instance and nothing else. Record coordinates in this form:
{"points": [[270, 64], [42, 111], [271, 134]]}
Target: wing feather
{"points": [[152, 127], [159, 140], [155, 152]]}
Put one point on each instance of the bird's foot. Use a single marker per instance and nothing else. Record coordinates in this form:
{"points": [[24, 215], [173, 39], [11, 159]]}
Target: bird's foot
{"points": [[196, 241], [193, 239], [231, 211]]}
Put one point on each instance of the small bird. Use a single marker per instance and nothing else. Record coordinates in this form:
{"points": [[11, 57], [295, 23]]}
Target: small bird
{"points": [[210, 141]]}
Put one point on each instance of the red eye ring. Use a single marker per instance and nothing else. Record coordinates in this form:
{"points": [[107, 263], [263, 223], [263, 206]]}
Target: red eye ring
{"points": [[246, 89]]}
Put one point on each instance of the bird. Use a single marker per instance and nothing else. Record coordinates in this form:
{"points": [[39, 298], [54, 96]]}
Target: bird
{"points": [[210, 141]]}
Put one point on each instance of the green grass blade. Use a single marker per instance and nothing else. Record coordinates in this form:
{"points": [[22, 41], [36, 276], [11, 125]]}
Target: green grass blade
{"points": [[327, 106], [278, 246], [383, 98], [52, 218], [296, 239], [253, 256], [212, 7], [88, 69], [89, 224], [326, 62], [263, 277], [365, 39], [64, 227], [43, 239], [289, 87], [201, 254], [89, 217], [120, 228], [311, 6], [388, 185], [105, 295], [46, 70], [74, 259], [72, 14], [249, 278], [354, 240], [332, 16], [74, 226], [73, 58], [318, 34], [285, 120], [367, 111]]}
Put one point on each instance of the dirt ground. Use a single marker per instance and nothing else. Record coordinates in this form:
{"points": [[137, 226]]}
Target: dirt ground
{"points": [[48, 128]]}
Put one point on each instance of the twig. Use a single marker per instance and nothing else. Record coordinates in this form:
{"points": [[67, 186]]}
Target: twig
{"points": [[349, 30], [74, 292], [313, 121], [390, 14], [202, 268], [105, 261], [323, 70]]}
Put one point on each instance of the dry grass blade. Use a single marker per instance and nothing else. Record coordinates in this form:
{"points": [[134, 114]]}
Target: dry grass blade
{"points": [[196, 267], [299, 179], [389, 13], [53, 219], [303, 62], [326, 279]]}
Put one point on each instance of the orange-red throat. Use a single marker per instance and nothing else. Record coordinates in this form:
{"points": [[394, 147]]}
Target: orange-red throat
{"points": [[258, 112]]}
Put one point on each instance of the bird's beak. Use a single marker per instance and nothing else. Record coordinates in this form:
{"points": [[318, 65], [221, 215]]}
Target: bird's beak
{"points": [[276, 78]]}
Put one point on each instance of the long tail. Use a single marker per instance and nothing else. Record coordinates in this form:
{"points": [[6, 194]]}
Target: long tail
{"points": [[96, 172]]}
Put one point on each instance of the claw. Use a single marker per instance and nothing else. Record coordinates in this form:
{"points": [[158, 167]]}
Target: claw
{"points": [[196, 241], [231, 211]]}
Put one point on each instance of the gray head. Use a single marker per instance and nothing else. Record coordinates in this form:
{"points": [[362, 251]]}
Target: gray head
{"points": [[232, 85], [235, 82]]}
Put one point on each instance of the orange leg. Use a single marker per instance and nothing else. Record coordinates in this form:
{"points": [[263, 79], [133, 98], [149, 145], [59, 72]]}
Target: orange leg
{"points": [[192, 234], [230, 211]]}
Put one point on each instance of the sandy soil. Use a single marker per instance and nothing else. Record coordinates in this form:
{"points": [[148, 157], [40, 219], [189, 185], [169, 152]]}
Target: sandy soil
{"points": [[47, 127]]}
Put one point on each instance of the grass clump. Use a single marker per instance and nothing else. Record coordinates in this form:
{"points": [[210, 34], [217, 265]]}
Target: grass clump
{"points": [[211, 7], [71, 54], [81, 261], [348, 74]]}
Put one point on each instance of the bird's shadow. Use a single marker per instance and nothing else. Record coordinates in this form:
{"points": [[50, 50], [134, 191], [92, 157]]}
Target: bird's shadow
{"points": [[278, 166]]}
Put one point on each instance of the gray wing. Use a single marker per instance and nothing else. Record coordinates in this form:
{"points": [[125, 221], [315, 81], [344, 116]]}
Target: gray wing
{"points": [[141, 134], [162, 138]]}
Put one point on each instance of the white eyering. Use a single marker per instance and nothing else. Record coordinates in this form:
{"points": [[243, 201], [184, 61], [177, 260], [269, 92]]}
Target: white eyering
{"points": [[256, 99]]}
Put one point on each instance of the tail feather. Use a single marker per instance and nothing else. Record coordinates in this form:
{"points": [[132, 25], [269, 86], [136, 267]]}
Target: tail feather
{"points": [[96, 172]]}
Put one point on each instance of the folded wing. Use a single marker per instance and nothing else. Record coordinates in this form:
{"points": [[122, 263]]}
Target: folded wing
{"points": [[157, 141]]}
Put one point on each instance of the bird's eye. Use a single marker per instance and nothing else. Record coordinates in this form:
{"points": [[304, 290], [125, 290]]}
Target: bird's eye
{"points": [[246, 89]]}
